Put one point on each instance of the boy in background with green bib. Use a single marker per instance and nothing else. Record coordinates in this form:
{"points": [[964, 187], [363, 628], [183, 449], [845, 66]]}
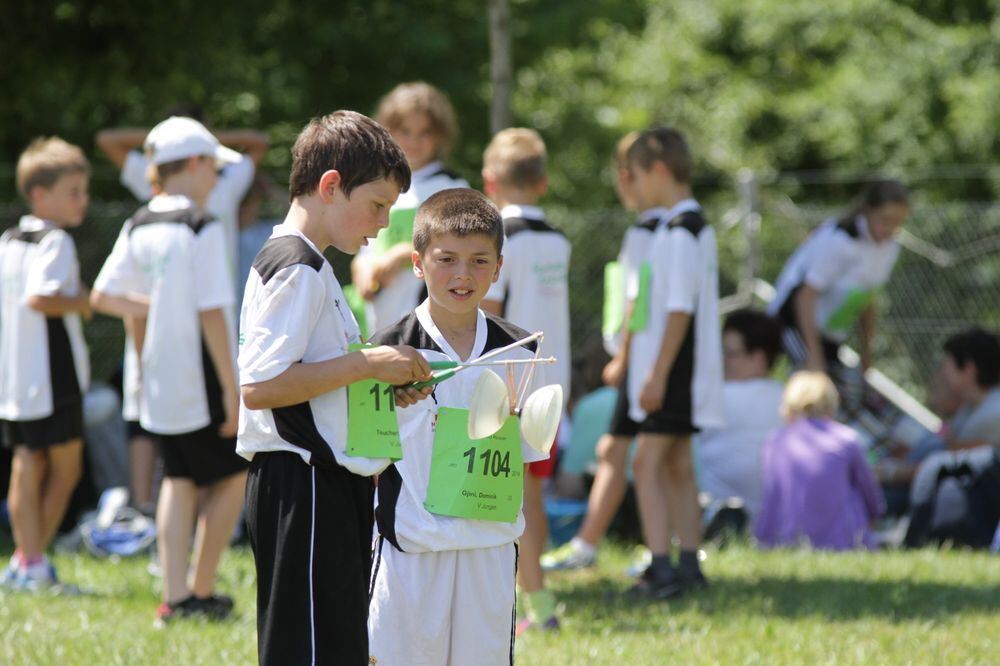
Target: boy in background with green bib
{"points": [[448, 513]]}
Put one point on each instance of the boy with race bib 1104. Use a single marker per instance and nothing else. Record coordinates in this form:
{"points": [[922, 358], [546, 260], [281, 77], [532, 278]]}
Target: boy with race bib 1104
{"points": [[449, 512]]}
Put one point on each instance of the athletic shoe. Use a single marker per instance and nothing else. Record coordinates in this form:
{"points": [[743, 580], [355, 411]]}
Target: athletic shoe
{"points": [[10, 578], [551, 624], [39, 576], [167, 612], [640, 564], [216, 607], [659, 588], [568, 556]]}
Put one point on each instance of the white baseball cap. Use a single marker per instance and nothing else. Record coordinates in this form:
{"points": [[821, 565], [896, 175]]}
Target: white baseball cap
{"points": [[178, 138]]}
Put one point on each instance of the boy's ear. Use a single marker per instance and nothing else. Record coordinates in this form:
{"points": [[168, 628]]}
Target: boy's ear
{"points": [[418, 264], [489, 183], [542, 186], [328, 184], [496, 273]]}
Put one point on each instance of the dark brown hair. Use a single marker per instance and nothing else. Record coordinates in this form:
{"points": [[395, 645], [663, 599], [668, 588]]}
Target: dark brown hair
{"points": [[878, 193], [351, 143], [663, 144], [758, 330], [459, 211]]}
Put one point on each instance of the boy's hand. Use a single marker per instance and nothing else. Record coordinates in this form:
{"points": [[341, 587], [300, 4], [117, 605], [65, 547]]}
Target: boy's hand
{"points": [[396, 365], [614, 371], [231, 403], [407, 395], [84, 303], [651, 396]]}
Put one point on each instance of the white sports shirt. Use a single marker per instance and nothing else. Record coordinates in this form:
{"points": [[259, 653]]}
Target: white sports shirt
{"points": [[294, 310], [37, 258], [174, 254], [685, 278], [398, 298], [534, 286], [399, 508], [837, 259]]}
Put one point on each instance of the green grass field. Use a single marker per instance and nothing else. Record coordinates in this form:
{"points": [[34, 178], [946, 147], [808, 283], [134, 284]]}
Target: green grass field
{"points": [[778, 607]]}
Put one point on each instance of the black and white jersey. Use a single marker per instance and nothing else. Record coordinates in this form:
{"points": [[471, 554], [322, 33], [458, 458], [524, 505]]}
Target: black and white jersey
{"points": [[294, 310], [174, 254], [636, 243], [402, 488], [398, 298], [685, 278], [534, 286], [839, 258], [37, 258], [130, 357]]}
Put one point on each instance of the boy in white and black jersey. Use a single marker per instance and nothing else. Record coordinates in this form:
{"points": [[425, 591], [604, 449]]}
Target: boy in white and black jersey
{"points": [[44, 368], [422, 121], [169, 274], [443, 583], [309, 501], [533, 293], [831, 282], [675, 363]]}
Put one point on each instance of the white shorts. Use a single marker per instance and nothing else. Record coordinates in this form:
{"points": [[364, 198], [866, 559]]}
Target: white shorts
{"points": [[453, 607]]}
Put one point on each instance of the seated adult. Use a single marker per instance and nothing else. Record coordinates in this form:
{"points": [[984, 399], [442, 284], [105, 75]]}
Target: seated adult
{"points": [[971, 367], [818, 488], [728, 459]]}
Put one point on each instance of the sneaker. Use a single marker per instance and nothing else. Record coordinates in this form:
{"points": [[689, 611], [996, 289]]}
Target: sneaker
{"points": [[216, 607], [167, 612], [640, 564], [568, 556], [39, 576], [551, 624], [10, 578], [658, 588]]}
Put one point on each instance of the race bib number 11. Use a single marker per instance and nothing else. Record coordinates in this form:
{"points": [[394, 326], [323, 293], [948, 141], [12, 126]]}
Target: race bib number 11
{"points": [[372, 427]]}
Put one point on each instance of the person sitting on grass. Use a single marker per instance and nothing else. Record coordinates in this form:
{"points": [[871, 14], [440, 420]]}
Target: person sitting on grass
{"points": [[818, 488]]}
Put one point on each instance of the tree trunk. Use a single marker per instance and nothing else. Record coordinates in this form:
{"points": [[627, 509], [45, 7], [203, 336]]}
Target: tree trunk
{"points": [[501, 66]]}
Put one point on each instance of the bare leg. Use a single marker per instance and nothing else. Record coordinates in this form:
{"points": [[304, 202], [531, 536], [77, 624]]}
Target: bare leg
{"points": [[216, 521], [536, 532], [608, 491], [683, 492], [141, 467], [24, 500], [65, 469], [651, 492], [174, 523]]}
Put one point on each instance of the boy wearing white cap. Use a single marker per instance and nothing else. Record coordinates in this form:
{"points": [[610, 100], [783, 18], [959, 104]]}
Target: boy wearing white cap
{"points": [[168, 273]]}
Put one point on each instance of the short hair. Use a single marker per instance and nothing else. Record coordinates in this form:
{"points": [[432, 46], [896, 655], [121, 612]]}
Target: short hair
{"points": [[809, 394], [353, 144], [459, 211], [621, 149], [420, 97], [516, 156], [759, 332], [980, 347], [158, 174], [663, 144], [880, 193], [45, 161]]}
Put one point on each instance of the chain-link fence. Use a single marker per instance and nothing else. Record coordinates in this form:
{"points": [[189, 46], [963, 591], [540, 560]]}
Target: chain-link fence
{"points": [[947, 278]]}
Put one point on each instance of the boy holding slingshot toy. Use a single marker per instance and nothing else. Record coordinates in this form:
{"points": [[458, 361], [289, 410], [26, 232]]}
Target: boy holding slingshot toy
{"points": [[448, 513]]}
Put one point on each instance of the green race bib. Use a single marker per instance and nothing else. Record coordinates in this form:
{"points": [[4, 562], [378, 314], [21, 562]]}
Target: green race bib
{"points": [[640, 312], [614, 298], [372, 427], [855, 303], [481, 479], [400, 230]]}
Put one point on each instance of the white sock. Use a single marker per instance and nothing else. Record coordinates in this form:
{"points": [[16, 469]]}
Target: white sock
{"points": [[582, 547]]}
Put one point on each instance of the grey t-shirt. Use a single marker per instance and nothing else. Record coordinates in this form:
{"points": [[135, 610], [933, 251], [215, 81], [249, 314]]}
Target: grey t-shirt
{"points": [[981, 423]]}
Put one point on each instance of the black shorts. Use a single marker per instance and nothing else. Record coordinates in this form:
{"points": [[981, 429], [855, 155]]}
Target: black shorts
{"points": [[676, 416], [621, 424], [791, 337], [65, 423], [201, 456], [311, 533]]}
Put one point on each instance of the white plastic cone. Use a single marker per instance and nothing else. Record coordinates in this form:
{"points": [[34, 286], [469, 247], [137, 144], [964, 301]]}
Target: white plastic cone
{"points": [[540, 417], [489, 405]]}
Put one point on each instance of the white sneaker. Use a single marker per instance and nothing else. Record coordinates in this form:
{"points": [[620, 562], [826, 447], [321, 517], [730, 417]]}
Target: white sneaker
{"points": [[570, 555], [10, 577], [39, 576]]}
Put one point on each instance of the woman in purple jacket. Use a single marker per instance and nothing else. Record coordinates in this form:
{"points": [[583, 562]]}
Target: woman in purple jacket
{"points": [[818, 488]]}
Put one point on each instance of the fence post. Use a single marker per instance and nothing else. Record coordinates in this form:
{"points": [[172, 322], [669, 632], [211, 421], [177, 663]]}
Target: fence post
{"points": [[750, 205]]}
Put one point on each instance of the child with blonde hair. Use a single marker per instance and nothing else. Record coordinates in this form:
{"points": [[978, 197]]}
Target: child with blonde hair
{"points": [[818, 488]]}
